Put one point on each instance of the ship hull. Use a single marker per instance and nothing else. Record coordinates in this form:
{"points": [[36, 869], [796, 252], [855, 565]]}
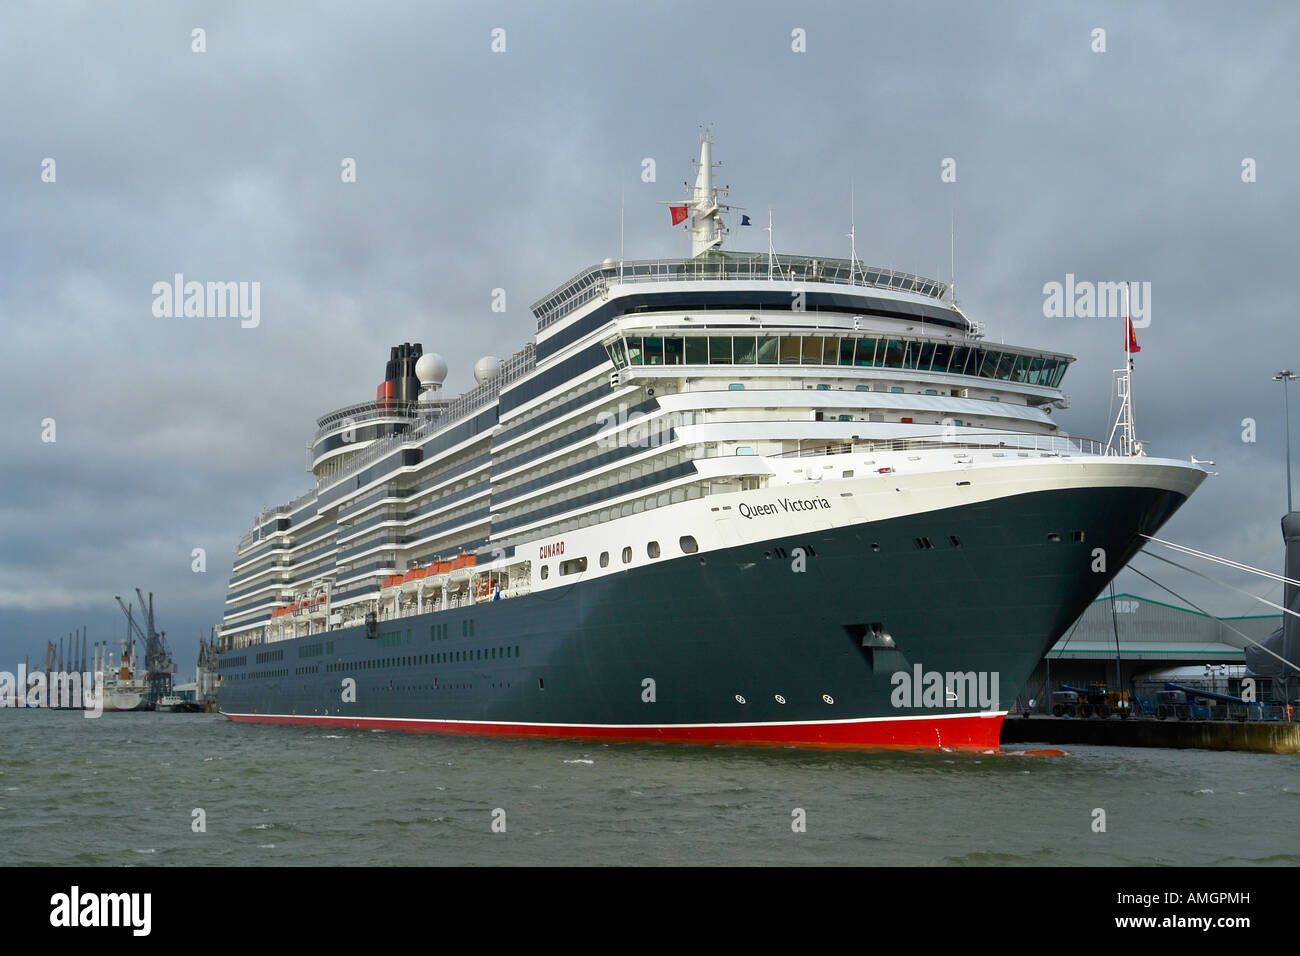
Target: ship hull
{"points": [[752, 644]]}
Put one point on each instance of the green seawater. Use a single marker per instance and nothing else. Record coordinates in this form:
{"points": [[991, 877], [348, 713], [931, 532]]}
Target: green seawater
{"points": [[123, 790]]}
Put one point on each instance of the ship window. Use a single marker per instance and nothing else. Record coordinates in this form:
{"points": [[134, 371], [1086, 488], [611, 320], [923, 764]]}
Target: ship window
{"points": [[931, 391], [745, 350], [831, 350], [1078, 536], [846, 352], [697, 350], [618, 352], [652, 549], [627, 555], [926, 357], [654, 351], [865, 354], [942, 356], [720, 350], [672, 351], [790, 345], [1035, 371], [634, 350], [1053, 537], [893, 354], [688, 543], [736, 387], [895, 388], [744, 450], [546, 572], [768, 351], [812, 350], [957, 365], [862, 388], [573, 566], [604, 559]]}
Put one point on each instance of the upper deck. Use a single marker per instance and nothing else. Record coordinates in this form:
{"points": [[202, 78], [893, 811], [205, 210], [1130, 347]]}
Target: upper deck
{"points": [[749, 267]]}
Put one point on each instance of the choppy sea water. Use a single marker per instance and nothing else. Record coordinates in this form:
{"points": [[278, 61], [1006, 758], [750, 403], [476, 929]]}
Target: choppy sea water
{"points": [[122, 790]]}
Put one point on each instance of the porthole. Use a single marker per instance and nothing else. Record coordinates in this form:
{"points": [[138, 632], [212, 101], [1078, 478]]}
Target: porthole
{"points": [[627, 555], [604, 559], [652, 549], [546, 572], [688, 544]]}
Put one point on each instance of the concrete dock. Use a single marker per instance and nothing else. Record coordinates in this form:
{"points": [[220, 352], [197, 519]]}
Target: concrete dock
{"points": [[1260, 736]]}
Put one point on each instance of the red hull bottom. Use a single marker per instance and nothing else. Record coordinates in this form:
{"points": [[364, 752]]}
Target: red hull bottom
{"points": [[979, 732]]}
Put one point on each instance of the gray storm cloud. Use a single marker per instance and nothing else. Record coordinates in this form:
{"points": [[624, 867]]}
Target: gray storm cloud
{"points": [[478, 170]]}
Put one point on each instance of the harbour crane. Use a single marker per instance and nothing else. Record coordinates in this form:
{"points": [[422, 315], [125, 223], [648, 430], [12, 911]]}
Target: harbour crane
{"points": [[159, 666]]}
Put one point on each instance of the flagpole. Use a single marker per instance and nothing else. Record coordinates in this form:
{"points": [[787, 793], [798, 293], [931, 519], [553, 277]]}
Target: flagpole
{"points": [[770, 255], [1128, 355], [622, 203]]}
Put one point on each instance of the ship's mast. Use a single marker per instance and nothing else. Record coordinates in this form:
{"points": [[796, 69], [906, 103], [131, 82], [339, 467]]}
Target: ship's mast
{"points": [[707, 228]]}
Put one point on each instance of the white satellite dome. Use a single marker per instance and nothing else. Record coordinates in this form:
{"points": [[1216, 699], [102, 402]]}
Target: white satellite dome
{"points": [[486, 369], [607, 264], [431, 369]]}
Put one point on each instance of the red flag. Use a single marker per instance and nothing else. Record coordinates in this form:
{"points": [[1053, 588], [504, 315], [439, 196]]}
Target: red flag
{"points": [[1131, 345], [678, 213]]}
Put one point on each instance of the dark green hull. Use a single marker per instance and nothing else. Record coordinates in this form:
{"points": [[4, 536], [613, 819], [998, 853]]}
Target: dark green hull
{"points": [[738, 645]]}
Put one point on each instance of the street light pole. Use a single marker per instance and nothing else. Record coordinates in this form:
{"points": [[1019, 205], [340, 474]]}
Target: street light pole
{"points": [[1285, 376]]}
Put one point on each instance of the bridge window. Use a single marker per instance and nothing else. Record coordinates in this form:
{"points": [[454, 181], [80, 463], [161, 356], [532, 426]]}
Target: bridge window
{"points": [[720, 350], [790, 349], [673, 351], [697, 350], [812, 350], [654, 351], [746, 351], [767, 350], [846, 351], [831, 350], [893, 354]]}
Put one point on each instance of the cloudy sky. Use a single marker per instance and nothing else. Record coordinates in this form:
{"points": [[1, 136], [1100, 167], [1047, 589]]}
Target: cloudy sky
{"points": [[479, 170]]}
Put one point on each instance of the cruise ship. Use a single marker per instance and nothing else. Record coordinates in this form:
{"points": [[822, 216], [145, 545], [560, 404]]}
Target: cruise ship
{"points": [[735, 498]]}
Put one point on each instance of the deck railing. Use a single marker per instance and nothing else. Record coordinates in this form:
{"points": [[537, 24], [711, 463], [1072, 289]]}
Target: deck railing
{"points": [[746, 267]]}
